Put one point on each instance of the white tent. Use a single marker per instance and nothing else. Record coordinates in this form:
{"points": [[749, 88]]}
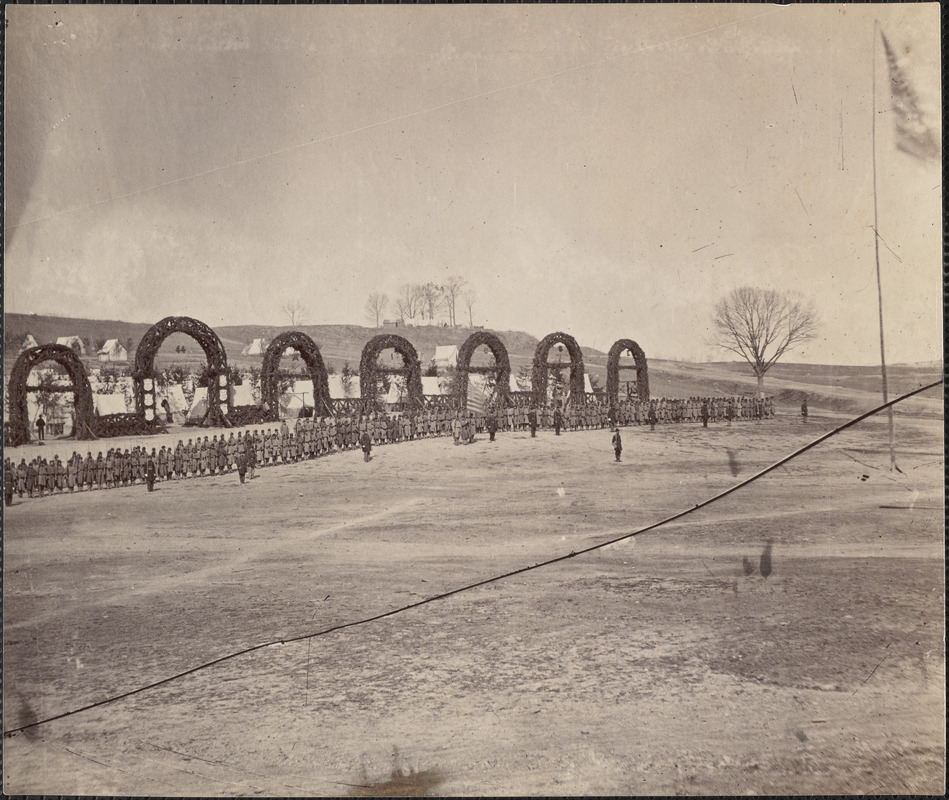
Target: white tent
{"points": [[242, 395], [176, 399], [113, 350], [199, 405], [336, 387], [109, 404], [28, 342], [431, 385], [587, 386], [304, 390], [396, 393], [512, 384], [256, 348], [446, 355], [74, 342]]}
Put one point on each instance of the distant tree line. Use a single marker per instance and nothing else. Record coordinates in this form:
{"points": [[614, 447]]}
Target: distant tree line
{"points": [[421, 302]]}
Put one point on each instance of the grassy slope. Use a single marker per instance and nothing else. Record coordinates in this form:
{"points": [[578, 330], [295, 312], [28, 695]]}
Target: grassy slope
{"points": [[840, 388]]}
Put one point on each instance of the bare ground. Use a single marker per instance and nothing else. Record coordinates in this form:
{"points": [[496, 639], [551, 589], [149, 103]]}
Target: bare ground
{"points": [[665, 664]]}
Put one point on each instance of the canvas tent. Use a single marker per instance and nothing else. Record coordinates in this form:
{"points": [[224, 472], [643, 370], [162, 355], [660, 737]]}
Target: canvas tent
{"points": [[28, 342], [336, 387], [587, 386], [431, 386], [113, 350], [74, 342], [256, 348], [106, 404], [242, 395], [396, 393], [199, 405], [446, 355], [175, 396]]}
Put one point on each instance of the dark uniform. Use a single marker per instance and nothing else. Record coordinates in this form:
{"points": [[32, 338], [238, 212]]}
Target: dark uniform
{"points": [[618, 445]]}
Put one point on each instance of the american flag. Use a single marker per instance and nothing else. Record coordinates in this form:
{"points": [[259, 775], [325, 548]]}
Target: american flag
{"points": [[913, 135]]}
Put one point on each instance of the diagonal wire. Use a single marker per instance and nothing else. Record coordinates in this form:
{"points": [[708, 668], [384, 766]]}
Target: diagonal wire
{"points": [[486, 581]]}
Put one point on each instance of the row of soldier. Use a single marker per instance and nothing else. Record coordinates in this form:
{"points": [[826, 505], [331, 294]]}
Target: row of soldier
{"points": [[318, 436]]}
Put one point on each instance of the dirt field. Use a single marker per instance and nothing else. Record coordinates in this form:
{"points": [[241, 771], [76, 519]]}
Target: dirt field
{"points": [[668, 664]]}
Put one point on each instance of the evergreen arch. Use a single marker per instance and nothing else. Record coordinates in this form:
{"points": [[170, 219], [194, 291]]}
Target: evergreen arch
{"points": [[269, 384], [502, 363], [219, 395], [411, 368], [542, 365], [19, 430], [613, 367]]}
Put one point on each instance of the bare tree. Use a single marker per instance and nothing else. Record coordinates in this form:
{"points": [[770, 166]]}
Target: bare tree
{"points": [[761, 325], [451, 291], [431, 299], [409, 301], [376, 306], [294, 311], [469, 295]]}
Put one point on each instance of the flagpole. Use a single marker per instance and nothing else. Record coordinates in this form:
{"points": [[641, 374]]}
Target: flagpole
{"points": [[876, 250]]}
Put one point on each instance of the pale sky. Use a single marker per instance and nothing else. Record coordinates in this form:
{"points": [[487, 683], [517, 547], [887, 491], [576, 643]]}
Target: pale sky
{"points": [[609, 171]]}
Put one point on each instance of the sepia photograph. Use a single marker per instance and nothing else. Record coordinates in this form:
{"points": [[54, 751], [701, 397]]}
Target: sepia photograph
{"points": [[489, 400]]}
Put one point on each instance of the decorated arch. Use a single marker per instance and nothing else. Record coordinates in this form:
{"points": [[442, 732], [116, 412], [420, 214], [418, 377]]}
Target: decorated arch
{"points": [[219, 395], [613, 369], [501, 371], [411, 368], [542, 366], [269, 383], [19, 432]]}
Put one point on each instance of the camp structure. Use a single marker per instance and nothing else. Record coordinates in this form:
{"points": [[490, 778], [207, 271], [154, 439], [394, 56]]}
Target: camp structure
{"points": [[113, 350], [446, 355], [256, 348], [587, 386], [28, 342], [431, 386], [177, 403], [77, 345], [241, 394], [338, 391], [397, 392], [199, 404], [297, 401], [106, 404]]}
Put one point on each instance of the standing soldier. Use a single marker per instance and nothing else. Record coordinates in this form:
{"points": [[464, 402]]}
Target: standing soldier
{"points": [[222, 465], [241, 464], [617, 444], [652, 415], [21, 472], [60, 473], [366, 441], [72, 471], [9, 479], [32, 477], [251, 456], [162, 464], [492, 424], [704, 413], [558, 421], [532, 421], [150, 471], [100, 470]]}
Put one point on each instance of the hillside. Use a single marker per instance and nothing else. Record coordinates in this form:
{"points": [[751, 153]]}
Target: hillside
{"points": [[843, 389]]}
